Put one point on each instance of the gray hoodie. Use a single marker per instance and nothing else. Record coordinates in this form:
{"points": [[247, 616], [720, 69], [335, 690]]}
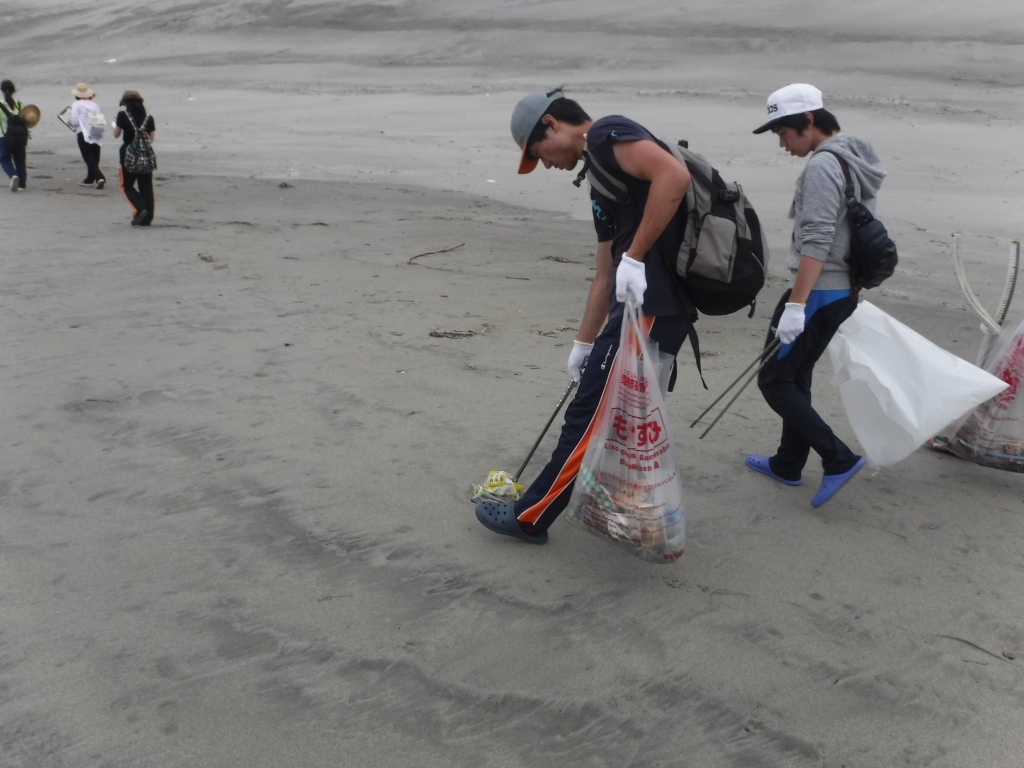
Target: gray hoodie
{"points": [[820, 227]]}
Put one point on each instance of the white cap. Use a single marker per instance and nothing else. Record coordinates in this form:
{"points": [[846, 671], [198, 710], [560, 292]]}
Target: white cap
{"points": [[794, 99]]}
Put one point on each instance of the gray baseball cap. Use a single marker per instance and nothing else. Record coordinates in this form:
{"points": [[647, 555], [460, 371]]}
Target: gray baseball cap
{"points": [[525, 117]]}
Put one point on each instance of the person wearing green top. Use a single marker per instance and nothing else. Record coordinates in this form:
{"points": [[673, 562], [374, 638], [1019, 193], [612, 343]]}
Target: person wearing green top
{"points": [[13, 137]]}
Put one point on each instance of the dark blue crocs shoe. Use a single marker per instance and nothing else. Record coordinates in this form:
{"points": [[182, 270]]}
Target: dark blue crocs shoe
{"points": [[500, 517], [760, 464], [832, 483]]}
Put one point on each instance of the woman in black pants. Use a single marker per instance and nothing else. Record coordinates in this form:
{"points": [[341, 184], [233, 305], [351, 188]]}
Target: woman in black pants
{"points": [[137, 187], [90, 142]]}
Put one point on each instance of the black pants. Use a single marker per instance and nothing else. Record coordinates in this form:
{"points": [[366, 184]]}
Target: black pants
{"points": [[91, 155], [785, 382], [138, 188], [549, 494]]}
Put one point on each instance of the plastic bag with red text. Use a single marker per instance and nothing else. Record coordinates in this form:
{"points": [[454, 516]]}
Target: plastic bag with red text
{"points": [[993, 433], [629, 488]]}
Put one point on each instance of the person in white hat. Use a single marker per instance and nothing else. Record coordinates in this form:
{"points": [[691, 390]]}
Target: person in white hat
{"points": [[634, 237], [89, 134], [821, 296]]}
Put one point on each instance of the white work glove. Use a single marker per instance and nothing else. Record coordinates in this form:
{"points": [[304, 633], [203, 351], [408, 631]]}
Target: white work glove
{"points": [[578, 358], [630, 276], [791, 324]]}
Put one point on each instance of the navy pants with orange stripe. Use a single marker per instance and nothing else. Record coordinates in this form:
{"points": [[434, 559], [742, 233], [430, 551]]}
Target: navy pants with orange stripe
{"points": [[549, 494]]}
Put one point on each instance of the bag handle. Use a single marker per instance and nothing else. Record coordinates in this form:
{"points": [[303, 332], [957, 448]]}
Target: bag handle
{"points": [[632, 312], [855, 286]]}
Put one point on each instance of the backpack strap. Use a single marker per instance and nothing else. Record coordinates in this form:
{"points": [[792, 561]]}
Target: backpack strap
{"points": [[582, 175], [135, 127], [686, 302], [695, 345], [850, 195], [603, 180]]}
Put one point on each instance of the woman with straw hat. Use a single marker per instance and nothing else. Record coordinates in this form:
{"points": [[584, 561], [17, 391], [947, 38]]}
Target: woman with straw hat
{"points": [[90, 137], [137, 187], [13, 136]]}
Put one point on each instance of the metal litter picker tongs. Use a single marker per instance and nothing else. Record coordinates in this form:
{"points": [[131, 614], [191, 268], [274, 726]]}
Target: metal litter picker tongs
{"points": [[762, 357]]}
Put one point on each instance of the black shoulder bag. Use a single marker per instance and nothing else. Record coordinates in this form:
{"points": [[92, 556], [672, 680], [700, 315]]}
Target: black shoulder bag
{"points": [[872, 256]]}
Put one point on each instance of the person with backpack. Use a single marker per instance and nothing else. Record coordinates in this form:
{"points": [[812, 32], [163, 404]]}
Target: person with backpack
{"points": [[13, 137], [821, 297], [137, 129], [635, 237], [89, 124]]}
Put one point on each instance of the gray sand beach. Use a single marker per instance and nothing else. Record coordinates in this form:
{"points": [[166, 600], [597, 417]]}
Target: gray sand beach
{"points": [[235, 526]]}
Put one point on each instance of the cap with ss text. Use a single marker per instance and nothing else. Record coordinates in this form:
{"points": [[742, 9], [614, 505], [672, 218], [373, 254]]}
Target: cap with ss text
{"points": [[525, 117], [794, 99]]}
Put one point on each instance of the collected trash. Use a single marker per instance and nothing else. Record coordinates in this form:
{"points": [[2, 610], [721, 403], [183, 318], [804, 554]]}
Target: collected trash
{"points": [[500, 486], [898, 388], [629, 489], [993, 433]]}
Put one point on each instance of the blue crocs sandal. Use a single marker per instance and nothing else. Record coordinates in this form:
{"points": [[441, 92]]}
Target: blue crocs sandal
{"points": [[832, 483], [500, 517], [760, 464]]}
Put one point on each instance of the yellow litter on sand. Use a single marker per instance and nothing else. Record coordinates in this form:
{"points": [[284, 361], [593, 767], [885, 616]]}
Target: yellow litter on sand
{"points": [[503, 487], [500, 486]]}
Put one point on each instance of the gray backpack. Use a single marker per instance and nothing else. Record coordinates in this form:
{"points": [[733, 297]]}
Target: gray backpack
{"points": [[723, 259]]}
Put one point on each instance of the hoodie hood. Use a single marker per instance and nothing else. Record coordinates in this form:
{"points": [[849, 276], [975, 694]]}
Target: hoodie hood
{"points": [[860, 156]]}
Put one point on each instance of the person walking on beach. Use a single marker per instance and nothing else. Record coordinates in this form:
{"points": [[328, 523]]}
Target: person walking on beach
{"points": [[137, 187], [821, 296], [551, 129], [13, 137], [89, 132]]}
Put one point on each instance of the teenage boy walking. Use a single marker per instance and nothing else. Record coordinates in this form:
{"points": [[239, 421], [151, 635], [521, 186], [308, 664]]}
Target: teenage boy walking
{"points": [[821, 297], [632, 240]]}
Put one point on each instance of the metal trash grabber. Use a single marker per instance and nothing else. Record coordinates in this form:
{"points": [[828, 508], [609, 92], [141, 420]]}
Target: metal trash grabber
{"points": [[764, 357], [565, 396]]}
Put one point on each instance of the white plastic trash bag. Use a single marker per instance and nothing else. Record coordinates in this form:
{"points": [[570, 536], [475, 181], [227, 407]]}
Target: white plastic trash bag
{"points": [[898, 388]]}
